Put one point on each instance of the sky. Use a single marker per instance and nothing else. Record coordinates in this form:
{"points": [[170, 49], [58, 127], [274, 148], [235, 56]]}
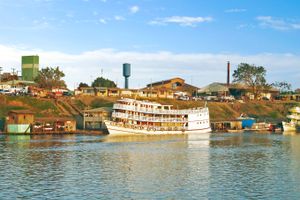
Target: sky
{"points": [[161, 39]]}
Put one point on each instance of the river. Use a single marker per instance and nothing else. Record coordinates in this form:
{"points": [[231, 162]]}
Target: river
{"points": [[207, 166]]}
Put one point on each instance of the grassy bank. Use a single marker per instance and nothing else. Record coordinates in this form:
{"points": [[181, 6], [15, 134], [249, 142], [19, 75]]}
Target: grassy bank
{"points": [[219, 111], [263, 110], [42, 107]]}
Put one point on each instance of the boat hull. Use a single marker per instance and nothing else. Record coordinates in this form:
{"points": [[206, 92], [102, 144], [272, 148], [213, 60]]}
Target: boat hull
{"points": [[119, 130], [290, 127]]}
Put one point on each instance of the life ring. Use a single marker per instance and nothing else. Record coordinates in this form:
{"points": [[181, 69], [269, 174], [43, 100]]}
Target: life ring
{"points": [[148, 129]]}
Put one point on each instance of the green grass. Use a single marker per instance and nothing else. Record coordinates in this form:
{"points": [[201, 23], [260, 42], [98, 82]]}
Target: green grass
{"points": [[5, 109], [38, 104], [218, 111], [79, 104], [41, 107], [101, 103]]}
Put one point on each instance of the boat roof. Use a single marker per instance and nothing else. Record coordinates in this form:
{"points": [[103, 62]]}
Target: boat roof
{"points": [[145, 102]]}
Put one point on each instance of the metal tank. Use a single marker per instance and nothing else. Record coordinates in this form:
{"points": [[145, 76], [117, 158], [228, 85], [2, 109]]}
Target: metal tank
{"points": [[126, 73]]}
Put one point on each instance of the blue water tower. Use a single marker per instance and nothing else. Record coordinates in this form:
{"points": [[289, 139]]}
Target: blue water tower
{"points": [[126, 73]]}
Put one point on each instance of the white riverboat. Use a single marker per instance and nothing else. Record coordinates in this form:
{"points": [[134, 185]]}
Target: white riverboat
{"points": [[294, 120], [132, 116]]}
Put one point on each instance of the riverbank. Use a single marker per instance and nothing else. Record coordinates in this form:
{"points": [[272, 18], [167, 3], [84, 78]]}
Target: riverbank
{"points": [[274, 111]]}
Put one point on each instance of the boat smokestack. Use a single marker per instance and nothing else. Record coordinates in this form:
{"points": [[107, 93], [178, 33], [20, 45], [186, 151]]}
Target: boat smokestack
{"points": [[228, 73]]}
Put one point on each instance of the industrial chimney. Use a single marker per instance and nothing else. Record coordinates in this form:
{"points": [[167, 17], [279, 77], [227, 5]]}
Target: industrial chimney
{"points": [[228, 73], [126, 73]]}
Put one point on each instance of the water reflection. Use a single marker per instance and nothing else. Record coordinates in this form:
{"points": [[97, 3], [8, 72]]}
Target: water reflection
{"points": [[142, 138], [216, 166]]}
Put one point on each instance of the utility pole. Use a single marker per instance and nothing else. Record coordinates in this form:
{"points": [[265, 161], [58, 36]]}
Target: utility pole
{"points": [[0, 74], [13, 70], [13, 73], [151, 87]]}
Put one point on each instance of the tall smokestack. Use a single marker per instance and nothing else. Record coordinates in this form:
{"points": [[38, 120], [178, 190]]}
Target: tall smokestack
{"points": [[228, 73]]}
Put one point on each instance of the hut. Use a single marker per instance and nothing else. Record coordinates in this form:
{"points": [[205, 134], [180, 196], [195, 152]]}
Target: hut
{"points": [[19, 121], [93, 119]]}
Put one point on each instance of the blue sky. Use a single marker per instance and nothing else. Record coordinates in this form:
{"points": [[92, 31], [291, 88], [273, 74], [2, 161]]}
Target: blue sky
{"points": [[192, 39]]}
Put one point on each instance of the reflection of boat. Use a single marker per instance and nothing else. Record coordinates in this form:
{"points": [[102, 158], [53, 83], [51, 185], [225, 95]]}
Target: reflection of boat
{"points": [[143, 117], [294, 120]]}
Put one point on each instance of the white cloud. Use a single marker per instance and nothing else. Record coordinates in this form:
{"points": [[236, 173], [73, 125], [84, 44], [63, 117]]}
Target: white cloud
{"points": [[102, 21], [202, 68], [181, 20], [119, 18], [235, 10], [278, 24], [134, 9]]}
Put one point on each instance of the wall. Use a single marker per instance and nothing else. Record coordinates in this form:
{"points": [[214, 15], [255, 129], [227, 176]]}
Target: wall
{"points": [[18, 128], [15, 118]]}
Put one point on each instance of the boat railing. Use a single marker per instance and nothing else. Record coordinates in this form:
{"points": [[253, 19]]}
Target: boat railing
{"points": [[292, 116], [158, 111], [151, 128], [147, 119]]}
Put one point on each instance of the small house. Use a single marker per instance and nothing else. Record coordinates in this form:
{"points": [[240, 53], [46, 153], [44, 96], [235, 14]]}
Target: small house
{"points": [[87, 91], [19, 121], [93, 119], [175, 84]]}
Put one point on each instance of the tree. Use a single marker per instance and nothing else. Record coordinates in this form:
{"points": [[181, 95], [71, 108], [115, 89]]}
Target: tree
{"points": [[252, 76], [50, 78], [82, 85], [102, 82], [283, 86]]}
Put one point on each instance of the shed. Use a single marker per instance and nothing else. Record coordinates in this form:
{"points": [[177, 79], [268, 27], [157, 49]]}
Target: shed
{"points": [[93, 119], [19, 121], [20, 117]]}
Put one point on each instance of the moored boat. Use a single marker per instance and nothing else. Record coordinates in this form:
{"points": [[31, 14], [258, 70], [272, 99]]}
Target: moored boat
{"points": [[131, 116], [294, 120]]}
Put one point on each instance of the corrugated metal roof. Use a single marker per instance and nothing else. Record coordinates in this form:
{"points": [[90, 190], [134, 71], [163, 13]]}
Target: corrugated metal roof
{"points": [[214, 87], [22, 111], [101, 109]]}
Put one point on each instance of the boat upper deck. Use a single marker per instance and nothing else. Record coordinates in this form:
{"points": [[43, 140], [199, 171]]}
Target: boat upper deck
{"points": [[153, 108]]}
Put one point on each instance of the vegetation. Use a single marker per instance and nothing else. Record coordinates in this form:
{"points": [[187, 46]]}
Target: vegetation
{"points": [[252, 76], [50, 78], [219, 111], [82, 85], [104, 103], [102, 82], [42, 107], [283, 86]]}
